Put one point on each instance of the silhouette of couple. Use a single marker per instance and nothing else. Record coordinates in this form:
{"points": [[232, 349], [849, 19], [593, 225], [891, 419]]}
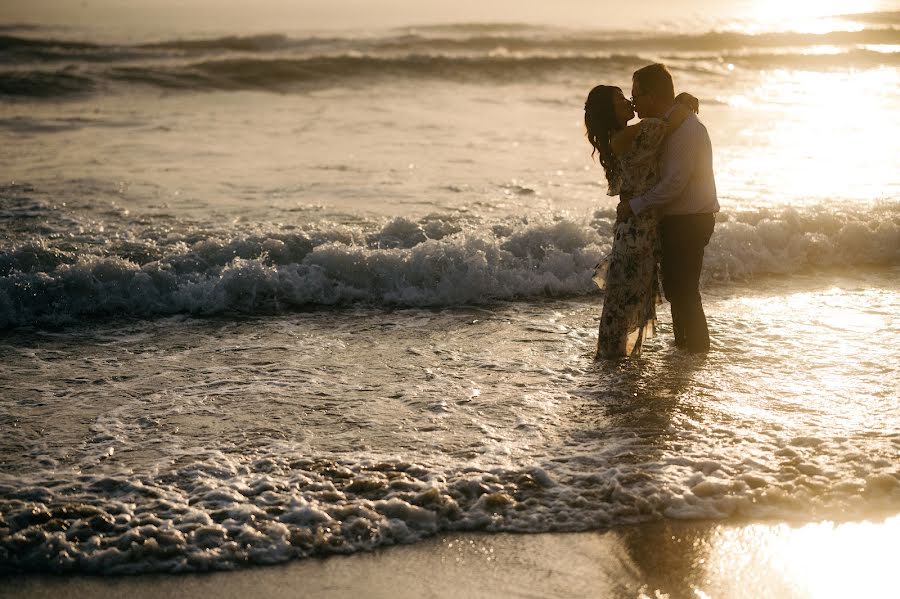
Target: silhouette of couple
{"points": [[661, 169]]}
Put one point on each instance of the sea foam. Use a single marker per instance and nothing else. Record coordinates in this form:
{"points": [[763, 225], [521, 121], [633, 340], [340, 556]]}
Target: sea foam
{"points": [[220, 512], [432, 262]]}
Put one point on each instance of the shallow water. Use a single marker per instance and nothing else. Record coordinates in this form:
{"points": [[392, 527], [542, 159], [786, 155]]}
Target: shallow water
{"points": [[341, 297], [229, 440]]}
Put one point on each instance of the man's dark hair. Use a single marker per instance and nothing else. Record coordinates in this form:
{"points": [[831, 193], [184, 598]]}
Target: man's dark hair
{"points": [[657, 80]]}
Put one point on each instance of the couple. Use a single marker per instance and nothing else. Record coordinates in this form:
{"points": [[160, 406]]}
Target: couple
{"points": [[661, 169]]}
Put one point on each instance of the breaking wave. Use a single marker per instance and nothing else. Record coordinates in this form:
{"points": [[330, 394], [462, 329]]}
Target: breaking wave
{"points": [[442, 39], [46, 68], [436, 261]]}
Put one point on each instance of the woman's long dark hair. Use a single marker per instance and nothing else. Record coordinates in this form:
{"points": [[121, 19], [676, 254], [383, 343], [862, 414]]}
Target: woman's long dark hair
{"points": [[600, 122]]}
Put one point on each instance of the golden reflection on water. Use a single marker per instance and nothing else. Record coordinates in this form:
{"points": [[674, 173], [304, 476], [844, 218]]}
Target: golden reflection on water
{"points": [[815, 135], [820, 560], [805, 334], [832, 309], [807, 16], [883, 48]]}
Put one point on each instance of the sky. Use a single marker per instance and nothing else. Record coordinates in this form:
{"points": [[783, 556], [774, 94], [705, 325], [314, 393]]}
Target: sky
{"points": [[296, 15]]}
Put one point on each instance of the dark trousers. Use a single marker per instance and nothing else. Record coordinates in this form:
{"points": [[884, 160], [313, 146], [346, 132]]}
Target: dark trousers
{"points": [[683, 238]]}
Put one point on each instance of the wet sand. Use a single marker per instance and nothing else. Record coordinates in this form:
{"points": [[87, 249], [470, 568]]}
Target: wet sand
{"points": [[663, 559]]}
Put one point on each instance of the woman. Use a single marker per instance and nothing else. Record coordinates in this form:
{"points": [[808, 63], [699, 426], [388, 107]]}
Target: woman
{"points": [[630, 158]]}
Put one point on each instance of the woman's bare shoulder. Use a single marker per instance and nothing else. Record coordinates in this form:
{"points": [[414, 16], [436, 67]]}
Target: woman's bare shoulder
{"points": [[623, 138]]}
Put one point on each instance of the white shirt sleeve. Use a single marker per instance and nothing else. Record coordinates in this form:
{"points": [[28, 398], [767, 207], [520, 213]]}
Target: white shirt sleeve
{"points": [[677, 166]]}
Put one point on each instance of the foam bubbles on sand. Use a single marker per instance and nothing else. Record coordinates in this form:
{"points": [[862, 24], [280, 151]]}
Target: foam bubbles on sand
{"points": [[227, 512]]}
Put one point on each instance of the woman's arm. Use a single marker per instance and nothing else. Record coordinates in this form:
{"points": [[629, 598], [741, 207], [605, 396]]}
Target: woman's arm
{"points": [[685, 104], [676, 117], [689, 101]]}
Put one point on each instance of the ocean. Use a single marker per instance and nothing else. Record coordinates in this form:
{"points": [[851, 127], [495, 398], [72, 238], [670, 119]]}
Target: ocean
{"points": [[266, 297]]}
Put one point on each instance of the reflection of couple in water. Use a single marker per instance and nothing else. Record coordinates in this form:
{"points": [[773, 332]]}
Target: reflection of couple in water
{"points": [[661, 169]]}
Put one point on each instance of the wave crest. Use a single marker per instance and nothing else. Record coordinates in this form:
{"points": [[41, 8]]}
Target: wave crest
{"points": [[404, 263], [45, 67]]}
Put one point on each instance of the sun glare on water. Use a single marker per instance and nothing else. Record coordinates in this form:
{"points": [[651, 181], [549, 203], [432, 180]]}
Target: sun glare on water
{"points": [[811, 134], [809, 16], [821, 560]]}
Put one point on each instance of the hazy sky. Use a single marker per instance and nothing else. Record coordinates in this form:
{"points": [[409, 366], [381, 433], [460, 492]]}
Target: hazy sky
{"points": [[291, 15]]}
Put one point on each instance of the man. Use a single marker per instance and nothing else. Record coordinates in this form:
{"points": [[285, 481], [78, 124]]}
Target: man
{"points": [[685, 198]]}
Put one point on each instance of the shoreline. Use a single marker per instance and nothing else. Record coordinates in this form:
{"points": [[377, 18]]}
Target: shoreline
{"points": [[666, 558]]}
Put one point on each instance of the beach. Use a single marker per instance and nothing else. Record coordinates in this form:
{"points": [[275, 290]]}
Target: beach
{"points": [[666, 559], [313, 310]]}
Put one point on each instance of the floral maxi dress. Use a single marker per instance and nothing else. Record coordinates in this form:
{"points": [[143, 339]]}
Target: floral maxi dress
{"points": [[630, 273]]}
